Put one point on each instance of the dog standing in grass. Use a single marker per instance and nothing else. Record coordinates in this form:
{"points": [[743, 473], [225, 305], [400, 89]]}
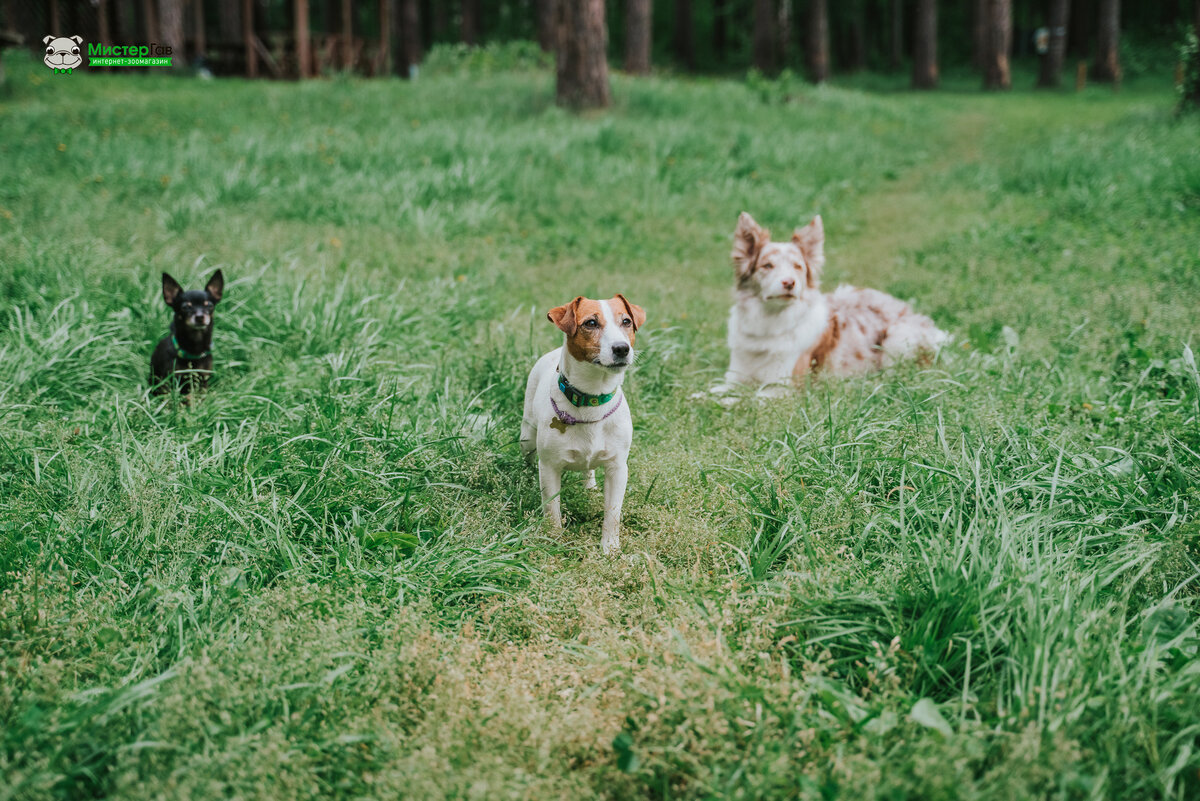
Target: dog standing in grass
{"points": [[782, 327], [186, 353], [575, 415]]}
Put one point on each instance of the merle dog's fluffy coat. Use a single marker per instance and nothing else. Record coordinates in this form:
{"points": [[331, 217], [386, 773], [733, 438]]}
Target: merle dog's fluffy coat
{"points": [[184, 356]]}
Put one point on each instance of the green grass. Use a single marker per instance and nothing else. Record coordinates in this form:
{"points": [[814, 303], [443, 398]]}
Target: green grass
{"points": [[329, 577]]}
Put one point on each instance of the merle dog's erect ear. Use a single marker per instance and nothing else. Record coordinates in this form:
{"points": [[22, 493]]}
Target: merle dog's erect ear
{"points": [[811, 241], [748, 240], [171, 290], [216, 285], [564, 316]]}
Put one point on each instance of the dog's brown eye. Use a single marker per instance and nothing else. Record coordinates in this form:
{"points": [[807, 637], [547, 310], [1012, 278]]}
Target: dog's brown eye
{"points": [[626, 322], [591, 323]]}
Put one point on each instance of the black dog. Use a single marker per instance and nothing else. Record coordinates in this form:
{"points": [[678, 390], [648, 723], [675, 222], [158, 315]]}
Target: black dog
{"points": [[187, 350]]}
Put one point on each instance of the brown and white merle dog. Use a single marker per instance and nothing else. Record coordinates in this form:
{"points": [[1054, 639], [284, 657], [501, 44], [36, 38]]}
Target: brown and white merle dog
{"points": [[782, 326], [184, 356]]}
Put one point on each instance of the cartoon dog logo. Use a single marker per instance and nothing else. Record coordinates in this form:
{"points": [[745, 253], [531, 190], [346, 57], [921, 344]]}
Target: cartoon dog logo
{"points": [[63, 53]]}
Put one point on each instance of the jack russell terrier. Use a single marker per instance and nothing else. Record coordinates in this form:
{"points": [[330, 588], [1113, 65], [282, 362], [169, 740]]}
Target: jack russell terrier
{"points": [[576, 417], [782, 327]]}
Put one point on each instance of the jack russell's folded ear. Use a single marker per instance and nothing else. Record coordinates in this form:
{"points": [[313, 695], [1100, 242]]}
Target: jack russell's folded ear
{"points": [[636, 312], [748, 240], [811, 241], [565, 316]]}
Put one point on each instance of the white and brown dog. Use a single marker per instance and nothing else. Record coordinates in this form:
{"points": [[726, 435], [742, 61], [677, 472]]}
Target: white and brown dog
{"points": [[782, 326], [576, 417]]}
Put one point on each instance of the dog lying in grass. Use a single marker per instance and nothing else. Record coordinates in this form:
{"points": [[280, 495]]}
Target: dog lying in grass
{"points": [[575, 415], [782, 327], [184, 356]]}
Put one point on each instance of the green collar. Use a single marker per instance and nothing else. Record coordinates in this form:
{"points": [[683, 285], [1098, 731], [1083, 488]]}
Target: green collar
{"points": [[578, 397], [184, 354]]}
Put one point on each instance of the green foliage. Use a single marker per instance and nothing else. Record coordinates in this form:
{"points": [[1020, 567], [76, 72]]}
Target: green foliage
{"points": [[1189, 56], [329, 576], [488, 59]]}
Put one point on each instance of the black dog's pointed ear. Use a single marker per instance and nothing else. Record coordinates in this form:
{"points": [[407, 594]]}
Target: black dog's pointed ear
{"points": [[48, 40], [78, 39], [216, 285], [171, 290]]}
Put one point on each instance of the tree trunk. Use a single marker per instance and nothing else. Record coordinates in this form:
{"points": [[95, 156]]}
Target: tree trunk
{"points": [[721, 28], [764, 35], [470, 21], [229, 19], [925, 66], [303, 40], [637, 36], [1052, 61], [410, 39], [149, 20], [1107, 66], [858, 37], [201, 31], [543, 12], [818, 40], [248, 38], [170, 22], [999, 40], [785, 33], [897, 41], [685, 37], [387, 11], [582, 43], [980, 26], [347, 29]]}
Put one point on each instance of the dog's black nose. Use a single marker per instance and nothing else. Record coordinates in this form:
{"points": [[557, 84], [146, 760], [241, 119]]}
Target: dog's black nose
{"points": [[620, 350]]}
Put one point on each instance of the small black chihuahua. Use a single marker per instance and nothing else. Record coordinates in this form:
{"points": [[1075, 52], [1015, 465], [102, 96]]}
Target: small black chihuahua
{"points": [[187, 350]]}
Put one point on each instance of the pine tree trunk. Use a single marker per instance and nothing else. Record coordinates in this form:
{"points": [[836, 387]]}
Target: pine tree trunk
{"points": [[721, 28], [1050, 75], [896, 51], [170, 24], [1107, 66], [410, 39], [470, 21], [543, 11], [303, 40], [785, 33], [685, 37], [582, 42], [764, 36], [637, 36], [996, 72], [818, 40], [980, 25], [925, 67], [858, 37]]}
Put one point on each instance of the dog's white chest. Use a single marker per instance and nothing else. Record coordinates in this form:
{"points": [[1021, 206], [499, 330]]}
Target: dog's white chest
{"points": [[579, 446]]}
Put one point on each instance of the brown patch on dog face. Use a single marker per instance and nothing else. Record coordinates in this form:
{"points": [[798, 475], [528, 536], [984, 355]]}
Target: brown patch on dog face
{"points": [[636, 314], [582, 321]]}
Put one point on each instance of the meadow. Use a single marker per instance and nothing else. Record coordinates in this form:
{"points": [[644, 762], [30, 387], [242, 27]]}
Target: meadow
{"points": [[329, 577]]}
